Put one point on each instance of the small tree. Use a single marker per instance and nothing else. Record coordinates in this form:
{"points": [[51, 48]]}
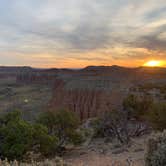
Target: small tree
{"points": [[62, 124], [18, 137]]}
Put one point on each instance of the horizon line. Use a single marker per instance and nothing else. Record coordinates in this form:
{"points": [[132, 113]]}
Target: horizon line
{"points": [[73, 68]]}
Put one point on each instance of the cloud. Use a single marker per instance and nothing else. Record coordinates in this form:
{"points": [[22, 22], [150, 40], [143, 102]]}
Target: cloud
{"points": [[96, 31]]}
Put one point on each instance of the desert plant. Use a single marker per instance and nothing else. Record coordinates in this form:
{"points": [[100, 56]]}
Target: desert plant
{"points": [[113, 125], [10, 116], [156, 150], [57, 161], [157, 116], [116, 122], [98, 126], [130, 104], [137, 107], [18, 137], [43, 142], [62, 124]]}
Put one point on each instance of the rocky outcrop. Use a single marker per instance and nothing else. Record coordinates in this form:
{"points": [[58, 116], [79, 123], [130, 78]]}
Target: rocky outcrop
{"points": [[84, 102]]}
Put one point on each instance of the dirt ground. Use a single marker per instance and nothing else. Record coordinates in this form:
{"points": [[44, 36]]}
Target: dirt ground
{"points": [[109, 154]]}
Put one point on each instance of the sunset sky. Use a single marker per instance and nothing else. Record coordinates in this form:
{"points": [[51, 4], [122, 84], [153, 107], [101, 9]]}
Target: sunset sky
{"points": [[78, 33]]}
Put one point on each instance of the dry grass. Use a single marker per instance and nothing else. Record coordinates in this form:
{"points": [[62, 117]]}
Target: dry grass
{"points": [[55, 162]]}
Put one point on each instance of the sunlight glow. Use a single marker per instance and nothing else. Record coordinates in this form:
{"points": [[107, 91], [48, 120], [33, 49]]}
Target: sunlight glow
{"points": [[154, 63]]}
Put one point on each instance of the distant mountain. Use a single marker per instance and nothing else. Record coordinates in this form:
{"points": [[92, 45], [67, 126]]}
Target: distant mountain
{"points": [[124, 70], [116, 67], [102, 67], [15, 68], [90, 69]]}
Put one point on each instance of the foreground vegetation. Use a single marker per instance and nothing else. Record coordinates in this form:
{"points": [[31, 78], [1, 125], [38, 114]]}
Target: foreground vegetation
{"points": [[54, 130], [140, 115], [47, 136], [56, 162]]}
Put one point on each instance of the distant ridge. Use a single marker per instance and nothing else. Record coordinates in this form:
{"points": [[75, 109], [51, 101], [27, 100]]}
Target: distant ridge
{"points": [[116, 67], [97, 69], [13, 69], [104, 67]]}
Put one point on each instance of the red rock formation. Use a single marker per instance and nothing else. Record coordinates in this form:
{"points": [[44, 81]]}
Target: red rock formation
{"points": [[84, 102]]}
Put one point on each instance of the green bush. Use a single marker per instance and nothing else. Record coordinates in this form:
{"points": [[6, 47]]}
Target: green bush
{"points": [[130, 104], [99, 128], [137, 107], [17, 137], [45, 143], [156, 150], [157, 116], [11, 116], [63, 125], [51, 132]]}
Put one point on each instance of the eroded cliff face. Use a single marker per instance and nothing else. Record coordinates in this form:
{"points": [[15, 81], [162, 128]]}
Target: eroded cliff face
{"points": [[86, 103]]}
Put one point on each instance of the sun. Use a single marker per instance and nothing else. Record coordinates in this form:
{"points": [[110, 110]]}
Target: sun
{"points": [[154, 63]]}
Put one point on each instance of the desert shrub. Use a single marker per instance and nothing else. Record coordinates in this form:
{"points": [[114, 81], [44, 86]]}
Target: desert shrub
{"points": [[86, 133], [116, 124], [157, 116], [10, 116], [130, 104], [57, 161], [47, 119], [18, 137], [75, 137], [62, 124], [137, 107], [98, 126], [156, 150], [113, 125], [43, 142]]}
